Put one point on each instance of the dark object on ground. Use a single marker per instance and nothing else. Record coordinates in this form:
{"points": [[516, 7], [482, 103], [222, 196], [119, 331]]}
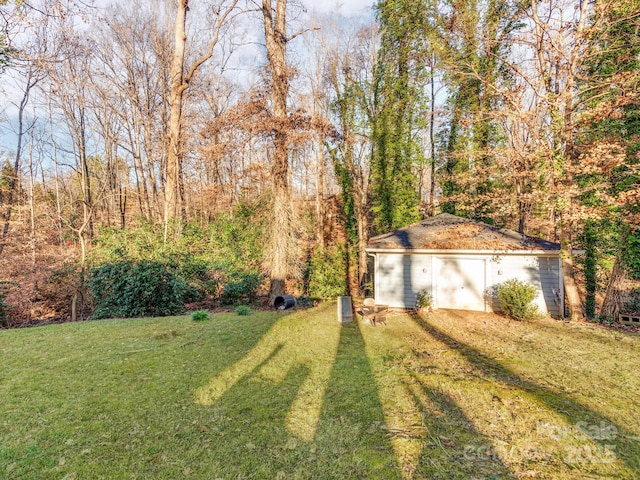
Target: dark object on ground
{"points": [[284, 301]]}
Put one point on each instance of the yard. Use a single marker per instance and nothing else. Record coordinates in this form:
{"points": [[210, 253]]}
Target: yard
{"points": [[295, 395]]}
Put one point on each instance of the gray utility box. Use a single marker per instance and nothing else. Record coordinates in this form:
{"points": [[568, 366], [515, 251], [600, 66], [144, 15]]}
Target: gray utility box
{"points": [[345, 310]]}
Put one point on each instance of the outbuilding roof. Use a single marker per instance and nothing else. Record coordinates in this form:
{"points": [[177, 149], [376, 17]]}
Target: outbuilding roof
{"points": [[449, 232]]}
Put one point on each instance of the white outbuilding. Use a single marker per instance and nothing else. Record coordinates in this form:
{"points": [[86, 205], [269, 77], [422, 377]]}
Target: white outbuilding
{"points": [[459, 262]]}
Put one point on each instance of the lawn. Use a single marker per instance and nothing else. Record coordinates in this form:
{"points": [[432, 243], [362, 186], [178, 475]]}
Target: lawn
{"points": [[296, 395]]}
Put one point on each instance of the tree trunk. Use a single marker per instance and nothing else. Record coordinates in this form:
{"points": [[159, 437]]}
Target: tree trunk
{"points": [[282, 219], [613, 298], [32, 213], [174, 185], [319, 154], [571, 293], [281, 238], [432, 141], [572, 296], [363, 239], [13, 181], [87, 200], [172, 198], [74, 307], [56, 178]]}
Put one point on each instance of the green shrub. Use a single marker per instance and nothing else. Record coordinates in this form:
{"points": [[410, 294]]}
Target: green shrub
{"points": [[306, 302], [221, 259], [200, 316], [240, 285], [424, 299], [138, 289], [243, 310], [327, 272], [516, 299]]}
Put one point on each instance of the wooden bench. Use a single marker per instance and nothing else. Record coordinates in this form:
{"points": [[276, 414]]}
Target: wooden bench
{"points": [[374, 313]]}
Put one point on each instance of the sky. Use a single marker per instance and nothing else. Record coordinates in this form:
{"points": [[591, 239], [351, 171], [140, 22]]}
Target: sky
{"points": [[346, 7]]}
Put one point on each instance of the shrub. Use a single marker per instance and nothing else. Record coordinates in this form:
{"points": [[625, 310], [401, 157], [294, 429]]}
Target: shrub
{"points": [[516, 299], [240, 285], [221, 259], [243, 310], [200, 316], [327, 272], [424, 299], [137, 289]]}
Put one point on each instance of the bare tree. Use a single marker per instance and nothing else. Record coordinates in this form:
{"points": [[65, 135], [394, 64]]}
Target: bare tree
{"points": [[180, 81], [349, 58], [32, 75]]}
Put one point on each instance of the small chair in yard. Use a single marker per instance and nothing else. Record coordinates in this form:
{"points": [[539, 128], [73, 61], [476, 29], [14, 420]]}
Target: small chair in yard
{"points": [[374, 313]]}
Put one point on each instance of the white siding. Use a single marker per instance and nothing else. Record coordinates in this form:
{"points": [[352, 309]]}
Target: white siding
{"points": [[543, 272], [399, 277]]}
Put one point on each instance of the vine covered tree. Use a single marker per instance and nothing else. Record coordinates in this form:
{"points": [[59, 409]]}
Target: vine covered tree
{"points": [[401, 75], [283, 249]]}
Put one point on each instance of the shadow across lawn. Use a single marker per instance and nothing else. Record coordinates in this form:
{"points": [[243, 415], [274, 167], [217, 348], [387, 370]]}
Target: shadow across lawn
{"points": [[622, 444], [453, 448], [429, 431], [301, 404], [112, 399], [352, 429]]}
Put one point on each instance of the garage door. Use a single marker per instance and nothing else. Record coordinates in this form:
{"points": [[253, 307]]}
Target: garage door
{"points": [[460, 283]]}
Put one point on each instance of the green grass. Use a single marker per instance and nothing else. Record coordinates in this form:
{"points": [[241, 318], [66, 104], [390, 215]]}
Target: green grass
{"points": [[297, 395]]}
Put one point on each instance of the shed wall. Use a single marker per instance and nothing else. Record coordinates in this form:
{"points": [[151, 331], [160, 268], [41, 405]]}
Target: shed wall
{"points": [[543, 272], [399, 276]]}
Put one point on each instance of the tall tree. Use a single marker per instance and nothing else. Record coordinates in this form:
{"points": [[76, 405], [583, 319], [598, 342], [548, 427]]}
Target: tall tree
{"points": [[399, 102], [180, 81], [349, 68], [32, 74], [282, 248], [132, 59], [612, 99], [473, 63]]}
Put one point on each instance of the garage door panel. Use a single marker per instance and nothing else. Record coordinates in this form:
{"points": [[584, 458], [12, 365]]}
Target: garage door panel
{"points": [[461, 283]]}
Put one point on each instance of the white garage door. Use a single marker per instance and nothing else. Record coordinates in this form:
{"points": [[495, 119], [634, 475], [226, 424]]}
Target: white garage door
{"points": [[460, 283]]}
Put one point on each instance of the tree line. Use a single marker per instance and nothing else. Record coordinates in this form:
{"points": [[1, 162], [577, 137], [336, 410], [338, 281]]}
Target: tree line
{"points": [[163, 115]]}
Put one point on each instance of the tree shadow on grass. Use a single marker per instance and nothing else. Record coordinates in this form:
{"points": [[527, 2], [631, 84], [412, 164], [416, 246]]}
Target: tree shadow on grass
{"points": [[453, 448], [301, 404], [352, 441], [619, 444], [246, 436], [429, 432], [128, 412]]}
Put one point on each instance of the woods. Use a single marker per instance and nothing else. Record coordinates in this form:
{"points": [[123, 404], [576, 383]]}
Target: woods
{"points": [[251, 148]]}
